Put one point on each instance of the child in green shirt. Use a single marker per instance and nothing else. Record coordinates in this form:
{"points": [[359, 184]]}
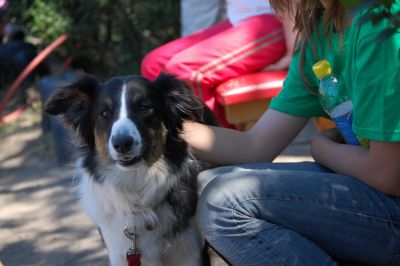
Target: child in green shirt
{"points": [[346, 205]]}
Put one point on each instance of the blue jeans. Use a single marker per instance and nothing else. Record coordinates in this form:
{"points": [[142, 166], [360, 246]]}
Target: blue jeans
{"points": [[296, 214]]}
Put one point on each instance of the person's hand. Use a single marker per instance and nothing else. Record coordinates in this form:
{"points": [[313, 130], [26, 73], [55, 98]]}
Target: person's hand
{"points": [[332, 134], [281, 64], [323, 140]]}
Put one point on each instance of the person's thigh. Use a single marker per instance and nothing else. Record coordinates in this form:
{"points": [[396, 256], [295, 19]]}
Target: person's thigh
{"points": [[342, 216], [207, 176], [245, 48], [154, 62]]}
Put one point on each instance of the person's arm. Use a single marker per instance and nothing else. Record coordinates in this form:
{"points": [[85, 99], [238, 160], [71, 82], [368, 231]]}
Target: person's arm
{"points": [[266, 140], [377, 166], [290, 39]]}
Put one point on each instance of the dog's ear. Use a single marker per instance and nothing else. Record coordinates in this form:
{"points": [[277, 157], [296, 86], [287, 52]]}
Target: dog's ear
{"points": [[179, 102], [74, 103]]}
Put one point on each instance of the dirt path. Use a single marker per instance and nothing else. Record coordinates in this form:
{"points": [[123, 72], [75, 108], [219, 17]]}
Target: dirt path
{"points": [[40, 219]]}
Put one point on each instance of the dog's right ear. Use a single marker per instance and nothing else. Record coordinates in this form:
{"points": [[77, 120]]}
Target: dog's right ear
{"points": [[74, 103]]}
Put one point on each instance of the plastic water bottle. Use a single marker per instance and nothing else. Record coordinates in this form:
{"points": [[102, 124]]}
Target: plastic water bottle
{"points": [[336, 103]]}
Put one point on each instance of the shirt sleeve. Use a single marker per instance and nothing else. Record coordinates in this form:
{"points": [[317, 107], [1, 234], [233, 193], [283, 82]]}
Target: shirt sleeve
{"points": [[295, 97]]}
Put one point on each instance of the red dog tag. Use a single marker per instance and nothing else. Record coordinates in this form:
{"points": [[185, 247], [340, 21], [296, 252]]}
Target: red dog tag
{"points": [[133, 254], [133, 258]]}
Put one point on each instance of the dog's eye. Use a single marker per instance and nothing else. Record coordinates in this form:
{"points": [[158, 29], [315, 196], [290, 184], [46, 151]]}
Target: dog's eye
{"points": [[106, 114], [144, 108]]}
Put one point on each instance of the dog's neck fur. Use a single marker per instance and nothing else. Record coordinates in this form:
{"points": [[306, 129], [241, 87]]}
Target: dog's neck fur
{"points": [[140, 199]]}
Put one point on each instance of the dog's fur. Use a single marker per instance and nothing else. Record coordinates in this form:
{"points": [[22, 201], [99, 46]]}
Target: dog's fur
{"points": [[135, 171]]}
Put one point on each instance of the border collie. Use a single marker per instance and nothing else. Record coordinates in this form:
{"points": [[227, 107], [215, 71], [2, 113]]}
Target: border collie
{"points": [[137, 176]]}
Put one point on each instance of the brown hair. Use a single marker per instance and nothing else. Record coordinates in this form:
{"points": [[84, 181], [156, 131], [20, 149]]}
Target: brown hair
{"points": [[307, 15]]}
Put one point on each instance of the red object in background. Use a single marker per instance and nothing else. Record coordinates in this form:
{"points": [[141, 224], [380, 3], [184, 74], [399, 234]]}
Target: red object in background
{"points": [[13, 115], [28, 70], [250, 87]]}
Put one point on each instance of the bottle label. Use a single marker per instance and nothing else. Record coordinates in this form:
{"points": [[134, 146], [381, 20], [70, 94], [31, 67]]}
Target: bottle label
{"points": [[344, 125], [342, 115]]}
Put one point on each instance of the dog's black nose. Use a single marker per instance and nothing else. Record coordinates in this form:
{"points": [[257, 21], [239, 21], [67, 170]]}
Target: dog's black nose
{"points": [[122, 143]]}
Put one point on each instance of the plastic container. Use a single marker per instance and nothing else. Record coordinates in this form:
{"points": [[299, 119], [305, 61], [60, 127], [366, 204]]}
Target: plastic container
{"points": [[335, 102]]}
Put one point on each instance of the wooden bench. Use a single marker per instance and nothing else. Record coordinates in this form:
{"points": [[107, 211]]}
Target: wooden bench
{"points": [[247, 97]]}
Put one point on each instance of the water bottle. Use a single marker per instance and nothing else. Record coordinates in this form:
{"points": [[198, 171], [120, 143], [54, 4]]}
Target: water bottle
{"points": [[336, 103]]}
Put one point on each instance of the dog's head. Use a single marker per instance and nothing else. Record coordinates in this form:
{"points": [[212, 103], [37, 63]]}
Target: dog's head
{"points": [[127, 119]]}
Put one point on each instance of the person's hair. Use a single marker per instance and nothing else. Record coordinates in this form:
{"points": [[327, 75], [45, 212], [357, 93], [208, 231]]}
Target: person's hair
{"points": [[307, 15]]}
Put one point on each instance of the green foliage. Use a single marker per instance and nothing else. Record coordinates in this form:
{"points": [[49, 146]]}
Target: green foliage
{"points": [[107, 37], [48, 20]]}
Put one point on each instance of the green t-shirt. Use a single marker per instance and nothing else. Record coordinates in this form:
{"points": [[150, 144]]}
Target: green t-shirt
{"points": [[367, 68]]}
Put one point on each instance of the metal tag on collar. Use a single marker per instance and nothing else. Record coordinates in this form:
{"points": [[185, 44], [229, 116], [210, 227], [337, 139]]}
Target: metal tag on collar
{"points": [[133, 254]]}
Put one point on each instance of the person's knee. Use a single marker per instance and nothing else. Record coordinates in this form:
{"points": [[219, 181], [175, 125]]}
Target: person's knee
{"points": [[217, 199], [205, 177], [180, 66], [208, 204], [150, 67]]}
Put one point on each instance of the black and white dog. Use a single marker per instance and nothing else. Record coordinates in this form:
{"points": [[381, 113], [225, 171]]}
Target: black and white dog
{"points": [[137, 176]]}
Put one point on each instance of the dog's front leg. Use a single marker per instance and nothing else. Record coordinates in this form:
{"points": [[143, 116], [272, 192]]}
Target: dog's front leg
{"points": [[116, 241], [117, 248]]}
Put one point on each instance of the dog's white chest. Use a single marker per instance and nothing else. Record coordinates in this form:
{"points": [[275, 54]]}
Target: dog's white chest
{"points": [[112, 213]]}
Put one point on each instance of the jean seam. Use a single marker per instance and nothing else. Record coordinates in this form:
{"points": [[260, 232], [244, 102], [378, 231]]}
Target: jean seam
{"points": [[323, 206], [255, 235], [214, 231]]}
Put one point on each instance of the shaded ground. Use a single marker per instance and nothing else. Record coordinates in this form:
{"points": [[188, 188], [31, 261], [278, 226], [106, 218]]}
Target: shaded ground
{"points": [[40, 219]]}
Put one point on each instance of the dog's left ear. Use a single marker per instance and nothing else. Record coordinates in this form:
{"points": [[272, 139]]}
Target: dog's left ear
{"points": [[179, 102], [74, 103]]}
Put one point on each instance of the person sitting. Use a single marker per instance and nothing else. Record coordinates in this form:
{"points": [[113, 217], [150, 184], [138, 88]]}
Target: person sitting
{"points": [[15, 53], [346, 204], [206, 14], [251, 39]]}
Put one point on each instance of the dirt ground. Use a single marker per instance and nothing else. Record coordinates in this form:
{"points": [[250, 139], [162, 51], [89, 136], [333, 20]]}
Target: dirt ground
{"points": [[40, 219]]}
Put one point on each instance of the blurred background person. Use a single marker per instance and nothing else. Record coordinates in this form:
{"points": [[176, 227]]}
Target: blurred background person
{"points": [[251, 39], [200, 14]]}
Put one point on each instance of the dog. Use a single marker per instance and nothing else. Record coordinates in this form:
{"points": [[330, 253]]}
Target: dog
{"points": [[137, 175]]}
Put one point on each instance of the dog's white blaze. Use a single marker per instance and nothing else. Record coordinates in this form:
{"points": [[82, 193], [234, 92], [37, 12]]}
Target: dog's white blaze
{"points": [[124, 125], [123, 112]]}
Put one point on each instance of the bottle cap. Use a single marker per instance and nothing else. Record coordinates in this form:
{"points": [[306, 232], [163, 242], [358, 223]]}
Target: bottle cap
{"points": [[322, 69]]}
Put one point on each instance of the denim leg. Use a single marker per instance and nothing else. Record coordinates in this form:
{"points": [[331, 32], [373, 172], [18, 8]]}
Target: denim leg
{"points": [[262, 214], [207, 176]]}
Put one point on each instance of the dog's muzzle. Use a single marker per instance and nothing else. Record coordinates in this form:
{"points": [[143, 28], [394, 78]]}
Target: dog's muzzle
{"points": [[125, 143], [126, 150], [122, 143]]}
